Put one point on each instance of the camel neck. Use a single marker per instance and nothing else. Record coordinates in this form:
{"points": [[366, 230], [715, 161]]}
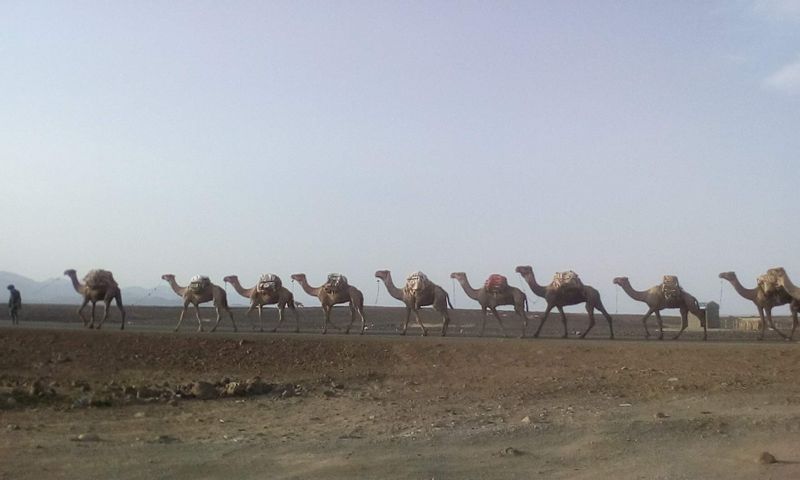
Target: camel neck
{"points": [[313, 291], [391, 288], [471, 292], [634, 294], [245, 292], [539, 290], [175, 287], [75, 283], [748, 293]]}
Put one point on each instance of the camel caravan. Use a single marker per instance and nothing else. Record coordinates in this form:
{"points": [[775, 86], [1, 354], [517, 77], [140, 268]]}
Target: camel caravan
{"points": [[773, 288]]}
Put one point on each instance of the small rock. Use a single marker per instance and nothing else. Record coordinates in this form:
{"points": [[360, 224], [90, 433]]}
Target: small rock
{"points": [[661, 415], [526, 420], [11, 402], [12, 427], [766, 458], [510, 452], [235, 389], [139, 415], [625, 405], [88, 437], [166, 439], [672, 379]]}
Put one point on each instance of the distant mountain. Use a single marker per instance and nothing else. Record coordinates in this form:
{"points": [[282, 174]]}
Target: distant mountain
{"points": [[58, 290]]}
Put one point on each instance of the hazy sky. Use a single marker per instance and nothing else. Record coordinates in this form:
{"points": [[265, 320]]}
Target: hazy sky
{"points": [[613, 138]]}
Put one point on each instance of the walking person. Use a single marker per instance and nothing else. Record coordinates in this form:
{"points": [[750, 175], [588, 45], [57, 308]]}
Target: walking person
{"points": [[14, 304]]}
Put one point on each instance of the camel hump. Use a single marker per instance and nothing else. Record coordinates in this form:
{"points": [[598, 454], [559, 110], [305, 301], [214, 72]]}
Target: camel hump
{"points": [[671, 287], [768, 282], [568, 279], [417, 281], [336, 282], [269, 282], [198, 283], [496, 283], [99, 278]]}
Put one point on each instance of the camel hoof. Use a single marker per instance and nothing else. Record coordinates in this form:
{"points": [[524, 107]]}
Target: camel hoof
{"points": [[424, 334], [297, 331], [403, 333]]}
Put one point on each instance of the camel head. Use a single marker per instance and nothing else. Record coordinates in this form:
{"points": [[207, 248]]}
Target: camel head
{"points": [[729, 276], [299, 277], [621, 281], [70, 272], [458, 275], [230, 279], [779, 273], [168, 277], [524, 270], [382, 274]]}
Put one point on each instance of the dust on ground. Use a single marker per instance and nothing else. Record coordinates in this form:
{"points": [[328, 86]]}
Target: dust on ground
{"points": [[143, 404]]}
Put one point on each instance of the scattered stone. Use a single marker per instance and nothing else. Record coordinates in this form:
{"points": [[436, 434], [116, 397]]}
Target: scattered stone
{"points": [[11, 402], [625, 405], [526, 420], [166, 439], [510, 452], [672, 379], [204, 390], [139, 415], [88, 437], [661, 415], [11, 427], [235, 389], [766, 458]]}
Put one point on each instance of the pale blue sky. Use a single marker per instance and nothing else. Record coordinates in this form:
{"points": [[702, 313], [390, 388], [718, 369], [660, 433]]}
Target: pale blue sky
{"points": [[612, 138]]}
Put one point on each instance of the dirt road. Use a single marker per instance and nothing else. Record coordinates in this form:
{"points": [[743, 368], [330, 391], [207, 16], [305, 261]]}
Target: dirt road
{"points": [[109, 404]]}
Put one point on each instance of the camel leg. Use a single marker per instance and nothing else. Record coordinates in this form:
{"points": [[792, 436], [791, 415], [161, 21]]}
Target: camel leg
{"points": [[483, 325], [794, 324], [684, 323], [763, 323], [80, 311], [352, 319], [544, 319], [644, 323], [260, 318], [419, 321], [121, 310], [563, 320], [106, 303], [327, 311], [499, 320], [180, 319], [197, 314], [660, 325], [522, 311], [772, 325], [233, 322], [91, 324], [296, 318], [445, 321], [219, 318], [280, 318], [603, 311], [363, 320], [408, 317], [590, 311]]}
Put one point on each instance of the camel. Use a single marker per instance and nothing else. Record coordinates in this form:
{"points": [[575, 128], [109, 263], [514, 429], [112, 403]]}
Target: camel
{"points": [[561, 296], [98, 285], [203, 291], [259, 297], [657, 300], [416, 298], [329, 297], [492, 299], [765, 302]]}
